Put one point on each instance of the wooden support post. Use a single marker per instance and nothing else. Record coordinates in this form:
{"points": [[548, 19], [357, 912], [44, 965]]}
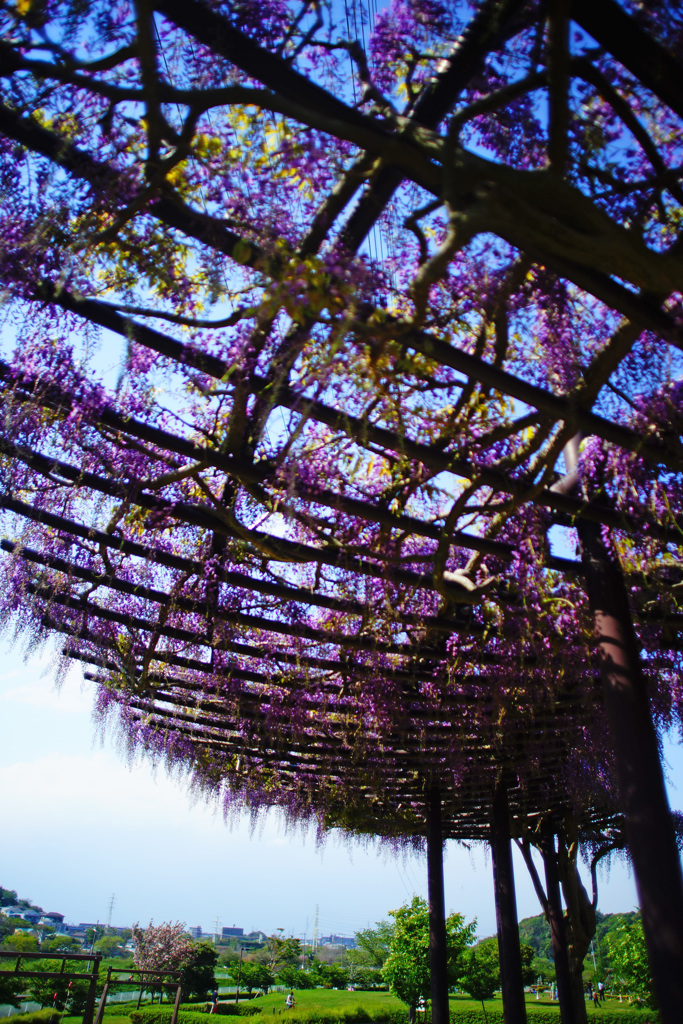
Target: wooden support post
{"points": [[103, 999], [642, 794], [438, 953], [512, 985], [558, 935], [176, 1004], [92, 992]]}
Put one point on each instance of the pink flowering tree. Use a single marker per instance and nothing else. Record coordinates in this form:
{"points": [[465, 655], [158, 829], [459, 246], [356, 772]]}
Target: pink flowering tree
{"points": [[162, 947]]}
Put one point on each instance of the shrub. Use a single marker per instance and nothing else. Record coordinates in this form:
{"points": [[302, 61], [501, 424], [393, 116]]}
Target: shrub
{"points": [[33, 1017], [360, 1015], [222, 1009], [162, 1015]]}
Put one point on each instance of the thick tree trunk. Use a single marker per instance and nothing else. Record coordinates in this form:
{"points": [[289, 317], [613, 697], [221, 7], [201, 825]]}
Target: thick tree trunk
{"points": [[571, 932], [578, 993], [649, 827], [438, 952], [558, 934], [580, 920], [512, 985]]}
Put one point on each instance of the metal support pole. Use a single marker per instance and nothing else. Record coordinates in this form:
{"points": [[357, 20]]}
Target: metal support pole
{"points": [[642, 794], [239, 976], [438, 951], [558, 935], [512, 985]]}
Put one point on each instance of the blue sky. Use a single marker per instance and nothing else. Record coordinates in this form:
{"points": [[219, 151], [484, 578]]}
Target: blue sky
{"points": [[81, 824]]}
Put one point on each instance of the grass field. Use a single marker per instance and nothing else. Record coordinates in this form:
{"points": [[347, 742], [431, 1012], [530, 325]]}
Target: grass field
{"points": [[323, 999], [329, 1000]]}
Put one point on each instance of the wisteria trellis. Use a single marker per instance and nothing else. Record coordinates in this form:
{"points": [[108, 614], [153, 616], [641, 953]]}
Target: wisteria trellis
{"points": [[373, 275]]}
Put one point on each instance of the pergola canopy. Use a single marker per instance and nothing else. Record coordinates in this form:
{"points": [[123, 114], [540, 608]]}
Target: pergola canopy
{"points": [[369, 289]]}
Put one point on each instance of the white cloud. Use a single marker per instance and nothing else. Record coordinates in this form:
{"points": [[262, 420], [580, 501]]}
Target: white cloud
{"points": [[93, 787], [70, 698]]}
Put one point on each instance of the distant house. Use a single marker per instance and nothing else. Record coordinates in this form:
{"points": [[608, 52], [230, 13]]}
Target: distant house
{"points": [[347, 941], [54, 919], [31, 914], [13, 911], [232, 933], [196, 932]]}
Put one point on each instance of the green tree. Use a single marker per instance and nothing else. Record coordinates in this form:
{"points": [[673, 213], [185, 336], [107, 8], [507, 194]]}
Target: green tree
{"points": [[479, 971], [58, 991], [10, 989], [527, 957], [60, 944], [373, 945], [293, 977], [198, 966], [110, 946], [252, 974], [543, 968], [333, 976], [365, 977], [21, 942], [279, 950], [287, 976], [8, 897], [407, 968], [93, 934], [630, 965]]}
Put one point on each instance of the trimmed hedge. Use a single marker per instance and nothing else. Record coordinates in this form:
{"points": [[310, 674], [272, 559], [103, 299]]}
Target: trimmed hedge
{"points": [[542, 1015], [47, 1016], [360, 1015], [162, 1015], [222, 1009]]}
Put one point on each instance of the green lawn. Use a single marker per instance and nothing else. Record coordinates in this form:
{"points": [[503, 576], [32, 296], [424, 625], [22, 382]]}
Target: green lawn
{"points": [[325, 999], [308, 1000], [328, 999]]}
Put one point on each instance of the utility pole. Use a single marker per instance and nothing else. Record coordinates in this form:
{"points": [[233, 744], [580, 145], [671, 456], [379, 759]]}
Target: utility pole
{"points": [[112, 901]]}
